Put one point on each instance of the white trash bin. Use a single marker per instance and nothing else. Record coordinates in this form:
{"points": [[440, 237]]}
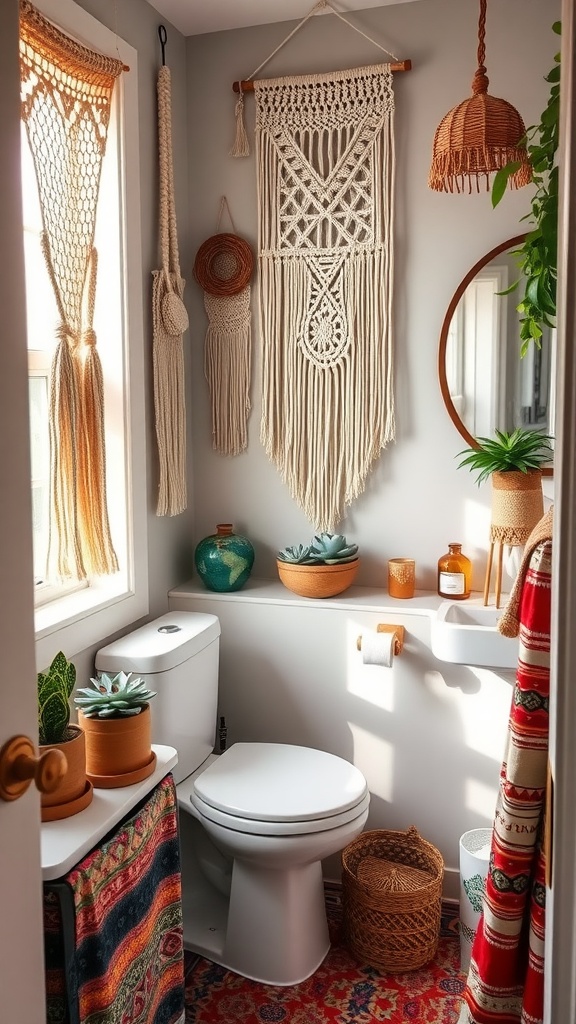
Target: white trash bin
{"points": [[474, 860]]}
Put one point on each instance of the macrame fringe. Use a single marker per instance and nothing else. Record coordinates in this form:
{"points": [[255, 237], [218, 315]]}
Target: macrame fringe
{"points": [[241, 145], [227, 361]]}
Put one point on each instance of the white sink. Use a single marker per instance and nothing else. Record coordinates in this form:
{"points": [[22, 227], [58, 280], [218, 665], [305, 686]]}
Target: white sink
{"points": [[464, 633]]}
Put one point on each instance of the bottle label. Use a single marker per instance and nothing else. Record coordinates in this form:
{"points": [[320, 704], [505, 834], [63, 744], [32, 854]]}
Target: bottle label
{"points": [[452, 583]]}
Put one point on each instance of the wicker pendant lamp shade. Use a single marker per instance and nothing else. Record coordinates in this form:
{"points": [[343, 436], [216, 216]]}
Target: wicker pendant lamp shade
{"points": [[479, 136]]}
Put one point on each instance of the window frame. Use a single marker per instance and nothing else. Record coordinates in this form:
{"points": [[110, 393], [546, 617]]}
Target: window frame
{"points": [[85, 617]]}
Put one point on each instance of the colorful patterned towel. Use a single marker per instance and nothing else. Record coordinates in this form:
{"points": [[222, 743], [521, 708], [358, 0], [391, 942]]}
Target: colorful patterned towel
{"points": [[128, 963], [506, 980]]}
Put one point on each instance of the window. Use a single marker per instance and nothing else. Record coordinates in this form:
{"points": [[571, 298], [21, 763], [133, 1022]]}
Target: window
{"points": [[77, 613]]}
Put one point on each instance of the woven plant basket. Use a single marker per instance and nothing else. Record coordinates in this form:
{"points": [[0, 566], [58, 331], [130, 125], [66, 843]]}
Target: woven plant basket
{"points": [[391, 897], [317, 580], [517, 505]]}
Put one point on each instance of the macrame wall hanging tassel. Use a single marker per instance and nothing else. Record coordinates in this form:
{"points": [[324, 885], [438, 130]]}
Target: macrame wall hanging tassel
{"points": [[241, 145], [223, 268], [170, 321]]}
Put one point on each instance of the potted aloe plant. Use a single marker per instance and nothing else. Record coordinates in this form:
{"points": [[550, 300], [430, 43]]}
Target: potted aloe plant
{"points": [[514, 462], [325, 567], [55, 686], [114, 714]]}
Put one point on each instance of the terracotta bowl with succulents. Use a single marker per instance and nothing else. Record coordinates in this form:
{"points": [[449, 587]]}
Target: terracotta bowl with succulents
{"points": [[324, 568]]}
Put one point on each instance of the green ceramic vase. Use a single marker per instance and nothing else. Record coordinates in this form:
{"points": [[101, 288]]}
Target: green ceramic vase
{"points": [[224, 560]]}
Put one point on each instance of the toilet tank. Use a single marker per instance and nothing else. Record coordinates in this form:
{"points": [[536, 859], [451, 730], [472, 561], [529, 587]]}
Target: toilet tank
{"points": [[177, 656]]}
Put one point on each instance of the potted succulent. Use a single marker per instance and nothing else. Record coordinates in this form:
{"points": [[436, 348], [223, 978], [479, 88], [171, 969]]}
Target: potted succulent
{"points": [[114, 714], [514, 462], [74, 792], [325, 567]]}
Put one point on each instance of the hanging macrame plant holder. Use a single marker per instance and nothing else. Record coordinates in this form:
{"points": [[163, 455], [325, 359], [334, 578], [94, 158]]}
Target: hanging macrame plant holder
{"points": [[170, 321], [223, 267]]}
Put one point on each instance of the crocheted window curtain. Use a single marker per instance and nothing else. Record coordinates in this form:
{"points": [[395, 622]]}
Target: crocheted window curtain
{"points": [[66, 92], [325, 154]]}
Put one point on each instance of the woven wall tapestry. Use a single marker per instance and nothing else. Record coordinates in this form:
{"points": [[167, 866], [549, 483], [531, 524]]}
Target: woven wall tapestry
{"points": [[325, 155]]}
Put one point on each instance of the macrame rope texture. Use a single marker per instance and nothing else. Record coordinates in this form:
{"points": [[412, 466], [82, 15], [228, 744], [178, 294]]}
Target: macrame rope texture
{"points": [[223, 267], [325, 165], [66, 99], [169, 321]]}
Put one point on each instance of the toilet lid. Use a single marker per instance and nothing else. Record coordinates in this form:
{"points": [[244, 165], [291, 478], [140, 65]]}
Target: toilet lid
{"points": [[278, 782]]}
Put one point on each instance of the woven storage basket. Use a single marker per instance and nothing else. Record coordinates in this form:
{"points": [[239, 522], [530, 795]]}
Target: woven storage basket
{"points": [[391, 897]]}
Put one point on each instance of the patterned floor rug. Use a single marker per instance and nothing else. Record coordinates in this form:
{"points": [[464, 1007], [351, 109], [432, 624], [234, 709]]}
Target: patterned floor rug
{"points": [[341, 991]]}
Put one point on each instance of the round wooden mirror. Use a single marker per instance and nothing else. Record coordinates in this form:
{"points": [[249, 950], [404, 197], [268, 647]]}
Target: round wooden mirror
{"points": [[484, 381]]}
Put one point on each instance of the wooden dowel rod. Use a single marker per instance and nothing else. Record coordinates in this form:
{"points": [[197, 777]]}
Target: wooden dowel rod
{"points": [[248, 86]]}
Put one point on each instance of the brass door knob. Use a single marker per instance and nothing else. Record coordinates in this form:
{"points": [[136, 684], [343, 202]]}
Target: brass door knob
{"points": [[19, 766]]}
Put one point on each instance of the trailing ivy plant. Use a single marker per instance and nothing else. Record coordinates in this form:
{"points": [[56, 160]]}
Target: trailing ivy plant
{"points": [[538, 253]]}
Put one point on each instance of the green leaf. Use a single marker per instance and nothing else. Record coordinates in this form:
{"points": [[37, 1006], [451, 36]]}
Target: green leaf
{"points": [[501, 179]]}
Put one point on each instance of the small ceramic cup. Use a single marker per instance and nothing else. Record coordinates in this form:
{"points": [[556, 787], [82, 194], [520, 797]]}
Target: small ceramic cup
{"points": [[401, 577]]}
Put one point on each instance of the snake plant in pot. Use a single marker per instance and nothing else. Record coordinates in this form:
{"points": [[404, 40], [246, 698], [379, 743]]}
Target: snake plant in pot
{"points": [[73, 793], [114, 713], [325, 567]]}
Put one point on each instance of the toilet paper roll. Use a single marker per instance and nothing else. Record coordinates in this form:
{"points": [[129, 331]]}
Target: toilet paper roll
{"points": [[378, 649]]}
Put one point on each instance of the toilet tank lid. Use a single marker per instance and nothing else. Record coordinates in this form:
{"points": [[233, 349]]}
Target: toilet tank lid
{"points": [[160, 645]]}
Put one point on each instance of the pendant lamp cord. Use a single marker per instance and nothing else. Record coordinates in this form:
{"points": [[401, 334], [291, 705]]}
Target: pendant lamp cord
{"points": [[480, 81]]}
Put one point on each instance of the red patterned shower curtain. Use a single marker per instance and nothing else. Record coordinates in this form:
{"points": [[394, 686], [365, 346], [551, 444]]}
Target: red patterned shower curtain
{"points": [[506, 978]]}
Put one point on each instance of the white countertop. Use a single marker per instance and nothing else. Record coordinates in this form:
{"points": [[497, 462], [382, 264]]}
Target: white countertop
{"points": [[65, 842]]}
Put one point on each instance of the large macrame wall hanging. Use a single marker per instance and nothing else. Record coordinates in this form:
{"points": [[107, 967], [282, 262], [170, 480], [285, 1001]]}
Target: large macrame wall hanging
{"points": [[223, 268], [325, 155], [170, 321], [325, 167], [66, 99]]}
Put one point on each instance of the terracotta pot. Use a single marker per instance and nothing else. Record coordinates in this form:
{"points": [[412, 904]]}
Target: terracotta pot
{"points": [[74, 792], [118, 750], [517, 505], [317, 580]]}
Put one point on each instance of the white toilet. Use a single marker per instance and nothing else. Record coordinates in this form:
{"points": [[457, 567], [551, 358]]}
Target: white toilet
{"points": [[258, 818]]}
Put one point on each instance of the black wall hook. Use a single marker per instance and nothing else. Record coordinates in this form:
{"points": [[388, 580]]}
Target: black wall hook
{"points": [[163, 36]]}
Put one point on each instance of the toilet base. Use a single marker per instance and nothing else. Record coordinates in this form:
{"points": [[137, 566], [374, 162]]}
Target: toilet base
{"points": [[283, 913]]}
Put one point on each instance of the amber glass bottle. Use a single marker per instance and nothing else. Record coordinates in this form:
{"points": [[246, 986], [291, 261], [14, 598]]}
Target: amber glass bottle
{"points": [[454, 574]]}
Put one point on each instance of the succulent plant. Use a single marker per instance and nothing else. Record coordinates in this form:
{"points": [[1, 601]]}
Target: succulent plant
{"points": [[114, 696], [521, 450], [55, 687], [325, 549], [297, 554], [333, 548]]}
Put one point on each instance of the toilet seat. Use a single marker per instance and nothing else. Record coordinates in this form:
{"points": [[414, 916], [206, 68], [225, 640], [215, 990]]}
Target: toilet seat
{"points": [[279, 789]]}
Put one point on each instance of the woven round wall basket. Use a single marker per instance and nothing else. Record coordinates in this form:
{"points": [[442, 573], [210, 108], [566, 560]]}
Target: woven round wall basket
{"points": [[391, 899], [224, 264]]}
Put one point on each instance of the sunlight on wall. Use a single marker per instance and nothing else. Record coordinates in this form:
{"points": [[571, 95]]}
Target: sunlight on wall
{"points": [[480, 800], [485, 721], [369, 682], [477, 521], [375, 759]]}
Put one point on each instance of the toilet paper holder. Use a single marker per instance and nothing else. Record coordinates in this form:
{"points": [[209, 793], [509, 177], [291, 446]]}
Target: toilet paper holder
{"points": [[384, 627]]}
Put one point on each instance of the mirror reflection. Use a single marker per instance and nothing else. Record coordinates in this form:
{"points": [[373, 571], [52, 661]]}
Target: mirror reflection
{"points": [[485, 382]]}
